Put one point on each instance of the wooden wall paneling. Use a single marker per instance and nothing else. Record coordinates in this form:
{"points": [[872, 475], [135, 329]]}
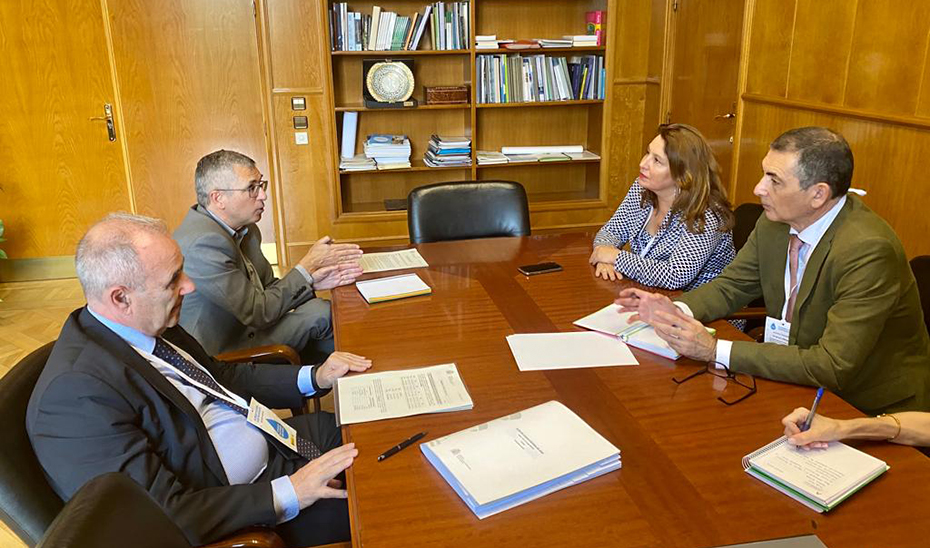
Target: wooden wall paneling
{"points": [[923, 102], [819, 58], [190, 83], [888, 55], [770, 46], [61, 173], [886, 163], [296, 44], [628, 131]]}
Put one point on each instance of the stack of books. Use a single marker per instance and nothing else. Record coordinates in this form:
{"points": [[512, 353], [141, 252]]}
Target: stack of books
{"points": [[594, 21], [388, 151], [359, 163], [490, 157], [445, 151], [537, 78], [582, 40], [486, 41], [449, 25]]}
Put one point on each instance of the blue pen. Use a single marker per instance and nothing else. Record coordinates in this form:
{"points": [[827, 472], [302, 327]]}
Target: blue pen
{"points": [[810, 416]]}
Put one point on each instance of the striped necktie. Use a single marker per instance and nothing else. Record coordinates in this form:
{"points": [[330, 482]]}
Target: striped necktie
{"points": [[201, 378]]}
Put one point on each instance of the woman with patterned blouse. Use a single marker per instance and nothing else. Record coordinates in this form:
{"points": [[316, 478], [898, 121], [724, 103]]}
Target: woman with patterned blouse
{"points": [[675, 217]]}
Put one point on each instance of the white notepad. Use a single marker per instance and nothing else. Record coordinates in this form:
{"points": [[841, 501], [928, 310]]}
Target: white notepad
{"points": [[820, 478], [609, 320], [540, 351], [393, 287], [512, 460]]}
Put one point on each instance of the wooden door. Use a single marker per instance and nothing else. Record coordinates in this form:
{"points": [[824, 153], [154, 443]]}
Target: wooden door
{"points": [[190, 83], [60, 170], [704, 72]]}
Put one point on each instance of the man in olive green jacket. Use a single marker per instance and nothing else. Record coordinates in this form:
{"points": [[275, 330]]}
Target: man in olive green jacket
{"points": [[843, 292]]}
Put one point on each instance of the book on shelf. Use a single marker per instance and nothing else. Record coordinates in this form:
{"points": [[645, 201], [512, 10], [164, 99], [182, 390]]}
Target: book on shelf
{"points": [[388, 151], [450, 25], [357, 163], [521, 457], [546, 149], [581, 40], [820, 478], [515, 78], [486, 41], [448, 151], [554, 157], [583, 155], [490, 157], [388, 31], [554, 42], [594, 22], [521, 44]]}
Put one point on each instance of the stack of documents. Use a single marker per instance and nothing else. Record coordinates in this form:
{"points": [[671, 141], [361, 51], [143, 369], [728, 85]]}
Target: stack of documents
{"points": [[582, 40], [391, 260], [392, 288], [443, 151], [388, 151], [486, 157], [540, 351], [357, 163], [820, 478], [393, 394], [512, 460], [609, 320]]}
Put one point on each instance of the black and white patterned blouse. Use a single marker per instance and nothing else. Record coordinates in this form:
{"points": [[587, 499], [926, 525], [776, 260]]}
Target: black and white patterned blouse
{"points": [[674, 258]]}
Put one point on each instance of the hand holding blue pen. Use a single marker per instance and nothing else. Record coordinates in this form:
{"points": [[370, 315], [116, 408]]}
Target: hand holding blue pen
{"points": [[810, 416]]}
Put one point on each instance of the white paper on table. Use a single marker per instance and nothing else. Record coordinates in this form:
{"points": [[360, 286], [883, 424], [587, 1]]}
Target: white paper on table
{"points": [[392, 394], [392, 260], [393, 287], [540, 351]]}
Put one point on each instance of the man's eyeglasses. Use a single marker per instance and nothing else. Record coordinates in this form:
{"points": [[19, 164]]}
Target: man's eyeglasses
{"points": [[252, 189], [744, 380]]}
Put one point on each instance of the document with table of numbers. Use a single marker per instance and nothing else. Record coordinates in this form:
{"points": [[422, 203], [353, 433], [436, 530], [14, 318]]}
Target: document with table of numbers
{"points": [[402, 393], [392, 260]]}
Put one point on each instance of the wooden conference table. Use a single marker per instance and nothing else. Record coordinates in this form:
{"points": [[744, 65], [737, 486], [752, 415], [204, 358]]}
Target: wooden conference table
{"points": [[681, 483]]}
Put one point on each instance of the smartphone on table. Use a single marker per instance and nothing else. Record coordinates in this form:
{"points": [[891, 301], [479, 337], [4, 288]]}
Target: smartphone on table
{"points": [[540, 268]]}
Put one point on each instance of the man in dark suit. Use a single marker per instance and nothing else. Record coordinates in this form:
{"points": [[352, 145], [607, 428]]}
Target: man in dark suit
{"points": [[842, 301], [126, 390], [239, 302]]}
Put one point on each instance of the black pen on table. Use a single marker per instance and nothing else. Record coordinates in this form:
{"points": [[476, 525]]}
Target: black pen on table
{"points": [[406, 443], [810, 416]]}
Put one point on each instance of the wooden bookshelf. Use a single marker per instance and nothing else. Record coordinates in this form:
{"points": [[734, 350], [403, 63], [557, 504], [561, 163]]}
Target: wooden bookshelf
{"points": [[490, 126]]}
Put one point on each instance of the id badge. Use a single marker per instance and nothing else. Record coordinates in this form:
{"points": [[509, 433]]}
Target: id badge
{"points": [[777, 331], [269, 422]]}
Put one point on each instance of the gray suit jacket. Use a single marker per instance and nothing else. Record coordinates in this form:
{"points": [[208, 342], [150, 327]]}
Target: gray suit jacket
{"points": [[227, 309], [99, 407], [858, 327]]}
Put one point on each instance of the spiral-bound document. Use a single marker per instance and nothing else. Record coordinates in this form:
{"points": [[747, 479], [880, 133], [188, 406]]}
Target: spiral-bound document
{"points": [[819, 478]]}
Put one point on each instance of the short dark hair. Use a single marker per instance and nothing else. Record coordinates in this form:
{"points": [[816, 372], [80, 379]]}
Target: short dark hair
{"points": [[823, 156], [217, 168]]}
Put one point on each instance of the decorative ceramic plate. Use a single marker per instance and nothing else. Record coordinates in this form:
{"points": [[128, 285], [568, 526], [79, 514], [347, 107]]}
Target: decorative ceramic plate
{"points": [[390, 82]]}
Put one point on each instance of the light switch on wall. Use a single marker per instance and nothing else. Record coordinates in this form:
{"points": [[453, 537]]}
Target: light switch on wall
{"points": [[301, 138]]}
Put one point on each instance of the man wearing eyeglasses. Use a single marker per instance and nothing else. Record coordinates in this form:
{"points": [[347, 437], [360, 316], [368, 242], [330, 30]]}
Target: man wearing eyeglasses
{"points": [[842, 303], [239, 302]]}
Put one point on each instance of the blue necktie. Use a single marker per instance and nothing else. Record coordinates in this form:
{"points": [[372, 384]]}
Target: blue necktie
{"points": [[165, 351]]}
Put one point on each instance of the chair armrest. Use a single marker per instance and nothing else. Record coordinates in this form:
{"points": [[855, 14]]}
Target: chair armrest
{"points": [[262, 353], [269, 353], [254, 537], [748, 313]]}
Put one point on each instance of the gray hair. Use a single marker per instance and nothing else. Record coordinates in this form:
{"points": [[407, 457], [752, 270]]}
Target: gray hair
{"points": [[107, 256], [215, 170], [823, 156]]}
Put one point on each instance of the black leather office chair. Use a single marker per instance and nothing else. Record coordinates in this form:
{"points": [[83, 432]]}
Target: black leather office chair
{"points": [[921, 268], [746, 216], [27, 502], [467, 209], [28, 505], [113, 510]]}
